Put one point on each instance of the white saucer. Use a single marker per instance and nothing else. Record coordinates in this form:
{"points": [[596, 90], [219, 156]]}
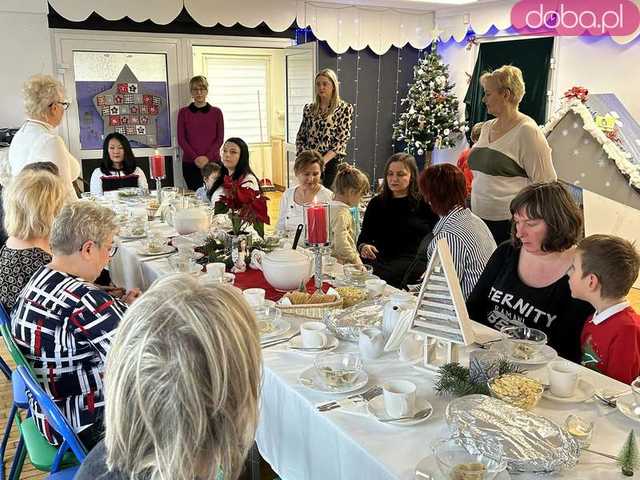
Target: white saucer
{"points": [[376, 409], [427, 469], [163, 250], [544, 356], [280, 326], [132, 237], [295, 345], [628, 407], [309, 379], [584, 391]]}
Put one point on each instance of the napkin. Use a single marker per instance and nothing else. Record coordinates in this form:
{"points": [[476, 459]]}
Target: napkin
{"points": [[349, 406]]}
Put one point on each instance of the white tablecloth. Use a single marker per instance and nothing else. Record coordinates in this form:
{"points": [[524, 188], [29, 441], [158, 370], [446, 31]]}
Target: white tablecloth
{"points": [[301, 443]]}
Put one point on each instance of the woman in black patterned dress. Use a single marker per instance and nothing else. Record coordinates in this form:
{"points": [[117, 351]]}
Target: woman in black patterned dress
{"points": [[326, 125], [31, 202]]}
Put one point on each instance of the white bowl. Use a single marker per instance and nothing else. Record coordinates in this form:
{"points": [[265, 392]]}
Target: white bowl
{"points": [[285, 269]]}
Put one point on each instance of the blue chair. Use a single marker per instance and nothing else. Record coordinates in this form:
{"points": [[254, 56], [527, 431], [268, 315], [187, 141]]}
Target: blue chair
{"points": [[4, 316], [60, 424]]}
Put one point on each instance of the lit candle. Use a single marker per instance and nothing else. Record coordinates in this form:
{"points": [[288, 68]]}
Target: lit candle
{"points": [[157, 165], [317, 224]]}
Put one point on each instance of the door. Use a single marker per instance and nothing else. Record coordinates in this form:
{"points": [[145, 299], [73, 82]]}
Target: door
{"points": [[95, 70], [301, 65]]}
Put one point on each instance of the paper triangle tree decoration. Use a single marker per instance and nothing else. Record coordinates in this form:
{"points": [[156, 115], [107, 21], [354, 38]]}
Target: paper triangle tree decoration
{"points": [[441, 314]]}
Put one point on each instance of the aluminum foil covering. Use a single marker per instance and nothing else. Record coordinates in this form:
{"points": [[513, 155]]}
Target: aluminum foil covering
{"points": [[530, 443], [346, 324]]}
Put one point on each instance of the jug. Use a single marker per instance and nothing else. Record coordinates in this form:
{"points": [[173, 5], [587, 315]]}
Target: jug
{"points": [[371, 343], [398, 302]]}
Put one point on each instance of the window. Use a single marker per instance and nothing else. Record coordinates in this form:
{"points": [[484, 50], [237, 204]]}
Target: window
{"points": [[239, 86]]}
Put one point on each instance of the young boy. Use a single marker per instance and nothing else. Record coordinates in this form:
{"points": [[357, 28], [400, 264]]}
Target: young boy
{"points": [[210, 173], [603, 271]]}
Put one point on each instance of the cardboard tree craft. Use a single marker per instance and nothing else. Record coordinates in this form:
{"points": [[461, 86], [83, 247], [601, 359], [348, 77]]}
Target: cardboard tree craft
{"points": [[126, 109], [441, 313]]}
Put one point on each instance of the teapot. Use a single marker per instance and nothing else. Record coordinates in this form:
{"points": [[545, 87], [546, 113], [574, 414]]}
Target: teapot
{"points": [[371, 343], [286, 269], [398, 302], [186, 217]]}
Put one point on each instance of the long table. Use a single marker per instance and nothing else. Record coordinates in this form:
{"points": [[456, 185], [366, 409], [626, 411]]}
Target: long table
{"points": [[303, 444]]}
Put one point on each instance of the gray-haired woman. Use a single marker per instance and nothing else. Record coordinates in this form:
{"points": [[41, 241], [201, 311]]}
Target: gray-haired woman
{"points": [[37, 141], [182, 385], [64, 324]]}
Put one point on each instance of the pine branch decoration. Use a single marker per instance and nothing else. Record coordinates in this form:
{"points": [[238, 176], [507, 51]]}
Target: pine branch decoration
{"points": [[456, 380], [629, 458]]}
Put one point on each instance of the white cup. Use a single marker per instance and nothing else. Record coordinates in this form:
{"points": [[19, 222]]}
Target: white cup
{"points": [[399, 398], [563, 378], [215, 271], [314, 334], [254, 296], [375, 286]]}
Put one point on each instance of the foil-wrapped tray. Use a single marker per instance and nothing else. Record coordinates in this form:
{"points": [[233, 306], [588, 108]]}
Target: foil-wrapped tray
{"points": [[346, 324], [530, 443]]}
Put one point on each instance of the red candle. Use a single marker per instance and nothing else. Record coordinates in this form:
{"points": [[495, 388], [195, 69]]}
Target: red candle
{"points": [[317, 224], [157, 166]]}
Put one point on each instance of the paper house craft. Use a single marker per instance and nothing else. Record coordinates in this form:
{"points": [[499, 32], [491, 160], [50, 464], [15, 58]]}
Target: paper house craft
{"points": [[441, 313], [586, 156]]}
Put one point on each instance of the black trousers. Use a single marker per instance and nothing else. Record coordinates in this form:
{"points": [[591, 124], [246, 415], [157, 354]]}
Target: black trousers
{"points": [[500, 229], [330, 170], [192, 175]]}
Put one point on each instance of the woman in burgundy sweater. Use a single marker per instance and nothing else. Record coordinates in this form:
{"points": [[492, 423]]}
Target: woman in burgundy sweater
{"points": [[200, 133]]}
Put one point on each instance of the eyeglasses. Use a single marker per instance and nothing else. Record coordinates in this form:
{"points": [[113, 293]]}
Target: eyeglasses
{"points": [[112, 250], [65, 105]]}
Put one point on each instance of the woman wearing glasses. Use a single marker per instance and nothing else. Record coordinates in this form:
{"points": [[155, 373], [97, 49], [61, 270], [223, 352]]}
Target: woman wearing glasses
{"points": [[200, 133], [37, 141]]}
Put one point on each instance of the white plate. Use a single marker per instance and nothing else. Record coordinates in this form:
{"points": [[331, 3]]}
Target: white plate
{"points": [[132, 237], [295, 345], [309, 379], [584, 391], [543, 357], [427, 469], [628, 407], [377, 410], [163, 250], [280, 326]]}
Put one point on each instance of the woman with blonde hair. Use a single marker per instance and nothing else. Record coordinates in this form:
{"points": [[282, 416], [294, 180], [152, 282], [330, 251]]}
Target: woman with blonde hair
{"points": [[200, 132], [31, 202], [37, 141], [182, 384], [510, 154], [326, 124]]}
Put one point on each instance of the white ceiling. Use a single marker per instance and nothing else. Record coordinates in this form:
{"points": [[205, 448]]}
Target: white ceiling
{"points": [[428, 5]]}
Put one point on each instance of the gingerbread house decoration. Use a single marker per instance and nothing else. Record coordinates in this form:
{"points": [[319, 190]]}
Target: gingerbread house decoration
{"points": [[596, 147], [128, 110]]}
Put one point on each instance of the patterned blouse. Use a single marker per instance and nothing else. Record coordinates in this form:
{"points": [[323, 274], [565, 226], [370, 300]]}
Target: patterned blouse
{"points": [[16, 269], [64, 326], [325, 133]]}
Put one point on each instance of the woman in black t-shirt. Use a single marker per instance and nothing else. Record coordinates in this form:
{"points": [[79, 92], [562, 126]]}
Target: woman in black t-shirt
{"points": [[525, 280], [395, 221]]}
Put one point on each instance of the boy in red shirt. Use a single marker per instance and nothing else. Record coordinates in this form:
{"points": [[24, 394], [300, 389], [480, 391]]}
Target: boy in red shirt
{"points": [[603, 271]]}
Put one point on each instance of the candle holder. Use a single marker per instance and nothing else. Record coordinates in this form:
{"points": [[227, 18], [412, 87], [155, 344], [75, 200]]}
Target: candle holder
{"points": [[316, 221], [157, 172]]}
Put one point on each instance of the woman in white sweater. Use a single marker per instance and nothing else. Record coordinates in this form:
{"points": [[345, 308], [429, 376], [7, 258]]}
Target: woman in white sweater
{"points": [[308, 170], [37, 141], [118, 168]]}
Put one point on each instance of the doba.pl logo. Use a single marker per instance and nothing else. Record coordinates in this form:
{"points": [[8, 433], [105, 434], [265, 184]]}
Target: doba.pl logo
{"points": [[577, 17]]}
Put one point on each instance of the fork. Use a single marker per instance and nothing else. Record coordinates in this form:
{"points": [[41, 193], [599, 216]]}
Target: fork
{"points": [[360, 397], [272, 343], [609, 400]]}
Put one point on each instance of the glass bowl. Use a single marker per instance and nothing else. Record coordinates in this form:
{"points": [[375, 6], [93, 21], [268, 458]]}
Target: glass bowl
{"points": [[455, 462], [523, 343], [357, 274], [182, 264], [516, 389], [338, 370]]}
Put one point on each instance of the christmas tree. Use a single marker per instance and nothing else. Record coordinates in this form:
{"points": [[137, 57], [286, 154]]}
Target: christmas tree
{"points": [[431, 117], [628, 458]]}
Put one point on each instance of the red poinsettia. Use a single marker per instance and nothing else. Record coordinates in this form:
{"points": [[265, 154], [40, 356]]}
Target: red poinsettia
{"points": [[244, 205], [580, 93]]}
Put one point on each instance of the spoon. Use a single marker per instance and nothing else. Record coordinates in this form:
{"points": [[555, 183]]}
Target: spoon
{"points": [[416, 416]]}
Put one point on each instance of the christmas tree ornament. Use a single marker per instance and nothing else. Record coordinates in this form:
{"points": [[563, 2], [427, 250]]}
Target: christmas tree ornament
{"points": [[628, 458]]}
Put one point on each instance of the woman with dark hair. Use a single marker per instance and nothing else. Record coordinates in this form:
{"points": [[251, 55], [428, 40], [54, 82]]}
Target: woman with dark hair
{"points": [[525, 282], [443, 187], [118, 168], [200, 132], [235, 164], [395, 221]]}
